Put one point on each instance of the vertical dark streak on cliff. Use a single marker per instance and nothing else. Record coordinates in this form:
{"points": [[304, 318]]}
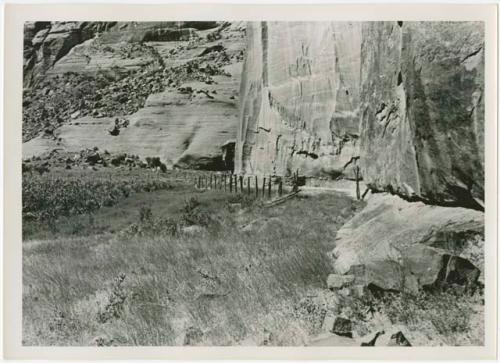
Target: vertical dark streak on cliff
{"points": [[423, 130], [265, 45]]}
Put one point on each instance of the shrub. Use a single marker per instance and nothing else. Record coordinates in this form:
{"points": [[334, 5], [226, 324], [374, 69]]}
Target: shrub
{"points": [[449, 311], [47, 197], [194, 214], [145, 214], [155, 162], [114, 307], [149, 225]]}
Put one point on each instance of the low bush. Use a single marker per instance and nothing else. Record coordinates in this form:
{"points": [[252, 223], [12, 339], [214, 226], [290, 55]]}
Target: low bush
{"points": [[48, 197], [448, 312], [148, 225]]}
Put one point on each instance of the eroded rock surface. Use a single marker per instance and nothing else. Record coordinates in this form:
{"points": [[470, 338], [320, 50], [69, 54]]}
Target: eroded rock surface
{"points": [[393, 244], [422, 110], [406, 98], [299, 98]]}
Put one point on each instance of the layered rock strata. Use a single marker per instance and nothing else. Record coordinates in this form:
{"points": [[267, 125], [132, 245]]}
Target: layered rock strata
{"points": [[173, 87]]}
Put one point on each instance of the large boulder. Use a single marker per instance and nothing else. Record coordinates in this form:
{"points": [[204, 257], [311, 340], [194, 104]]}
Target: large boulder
{"points": [[393, 244], [422, 110]]}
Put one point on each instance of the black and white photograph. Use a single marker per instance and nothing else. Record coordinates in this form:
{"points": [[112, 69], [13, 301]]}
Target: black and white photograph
{"points": [[253, 183]]}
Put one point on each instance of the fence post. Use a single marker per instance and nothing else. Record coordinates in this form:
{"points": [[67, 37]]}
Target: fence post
{"points": [[256, 186], [248, 185], [280, 188], [236, 183], [356, 172], [230, 183], [210, 181], [263, 186], [225, 182], [269, 188], [241, 184]]}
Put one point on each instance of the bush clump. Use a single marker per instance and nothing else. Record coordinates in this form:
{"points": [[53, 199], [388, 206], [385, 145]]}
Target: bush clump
{"points": [[47, 197]]}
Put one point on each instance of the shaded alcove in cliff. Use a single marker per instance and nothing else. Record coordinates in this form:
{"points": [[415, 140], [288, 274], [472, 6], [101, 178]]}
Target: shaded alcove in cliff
{"points": [[228, 151], [224, 161]]}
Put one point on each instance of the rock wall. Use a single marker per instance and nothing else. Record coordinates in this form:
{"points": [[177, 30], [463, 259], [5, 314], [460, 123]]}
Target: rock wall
{"points": [[299, 98], [404, 97], [422, 110]]}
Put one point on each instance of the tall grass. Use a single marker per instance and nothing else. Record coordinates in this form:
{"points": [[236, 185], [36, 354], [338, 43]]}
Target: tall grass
{"points": [[219, 286]]}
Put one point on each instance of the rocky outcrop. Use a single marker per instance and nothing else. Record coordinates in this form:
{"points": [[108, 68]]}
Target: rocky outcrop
{"points": [[173, 87], [397, 245], [299, 98], [422, 110], [47, 42]]}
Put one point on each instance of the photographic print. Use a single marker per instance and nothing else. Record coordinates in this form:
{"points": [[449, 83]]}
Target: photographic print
{"points": [[253, 183]]}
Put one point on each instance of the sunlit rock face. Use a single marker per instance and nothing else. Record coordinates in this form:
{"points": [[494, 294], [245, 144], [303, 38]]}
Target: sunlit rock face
{"points": [[406, 98], [299, 98], [422, 110], [399, 245]]}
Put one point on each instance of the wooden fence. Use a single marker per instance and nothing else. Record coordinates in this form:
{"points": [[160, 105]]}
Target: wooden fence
{"points": [[259, 186]]}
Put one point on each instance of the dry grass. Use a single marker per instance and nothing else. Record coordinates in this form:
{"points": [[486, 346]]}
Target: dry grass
{"points": [[220, 286]]}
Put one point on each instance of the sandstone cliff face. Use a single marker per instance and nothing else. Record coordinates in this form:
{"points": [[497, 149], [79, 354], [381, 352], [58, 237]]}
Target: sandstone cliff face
{"points": [[174, 86], [422, 110], [299, 98], [404, 98]]}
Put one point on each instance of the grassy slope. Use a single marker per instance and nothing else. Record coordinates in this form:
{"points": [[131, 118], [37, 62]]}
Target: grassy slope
{"points": [[219, 287]]}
